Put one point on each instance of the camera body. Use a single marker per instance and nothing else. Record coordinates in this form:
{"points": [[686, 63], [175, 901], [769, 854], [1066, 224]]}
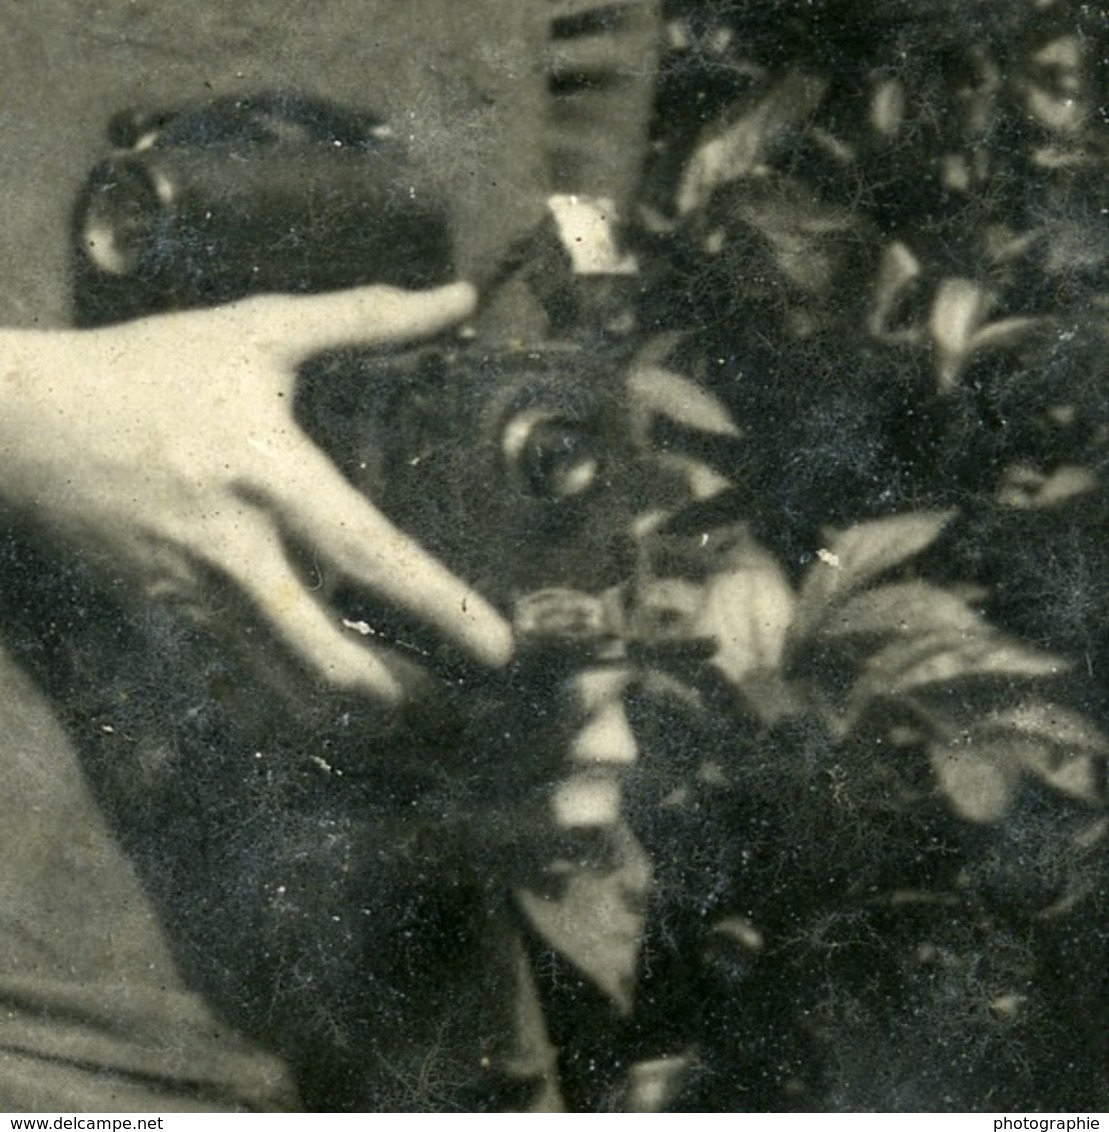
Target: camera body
{"points": [[508, 462]]}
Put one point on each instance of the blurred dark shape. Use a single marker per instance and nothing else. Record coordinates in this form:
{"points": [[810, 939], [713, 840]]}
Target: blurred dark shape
{"points": [[275, 192]]}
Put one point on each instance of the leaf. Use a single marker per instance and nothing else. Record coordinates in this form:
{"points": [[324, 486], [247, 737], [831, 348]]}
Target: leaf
{"points": [[738, 148], [859, 555], [945, 656], [657, 392], [1056, 745], [748, 611], [980, 780], [959, 308], [922, 671], [1049, 721], [960, 328], [981, 771], [597, 922], [903, 609]]}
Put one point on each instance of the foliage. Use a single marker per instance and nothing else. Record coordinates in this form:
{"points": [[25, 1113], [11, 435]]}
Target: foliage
{"points": [[877, 815], [879, 807]]}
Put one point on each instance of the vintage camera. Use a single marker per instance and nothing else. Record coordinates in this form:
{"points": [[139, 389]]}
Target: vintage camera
{"points": [[508, 462], [275, 192]]}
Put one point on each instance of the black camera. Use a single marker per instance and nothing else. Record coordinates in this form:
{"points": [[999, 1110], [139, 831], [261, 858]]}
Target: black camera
{"points": [[508, 462]]}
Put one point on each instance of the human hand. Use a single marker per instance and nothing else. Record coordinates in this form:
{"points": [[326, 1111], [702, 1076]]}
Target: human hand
{"points": [[165, 451]]}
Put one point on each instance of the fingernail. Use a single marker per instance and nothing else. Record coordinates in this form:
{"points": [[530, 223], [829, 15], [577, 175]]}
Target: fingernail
{"points": [[461, 295], [492, 640]]}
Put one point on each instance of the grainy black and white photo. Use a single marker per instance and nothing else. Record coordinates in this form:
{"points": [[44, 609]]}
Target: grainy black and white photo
{"points": [[554, 556]]}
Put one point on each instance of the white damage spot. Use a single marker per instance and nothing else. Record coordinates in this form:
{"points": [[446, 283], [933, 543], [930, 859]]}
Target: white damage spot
{"points": [[829, 558], [362, 627]]}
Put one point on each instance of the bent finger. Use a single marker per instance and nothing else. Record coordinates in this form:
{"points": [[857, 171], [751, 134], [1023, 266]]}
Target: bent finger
{"points": [[251, 556], [349, 535]]}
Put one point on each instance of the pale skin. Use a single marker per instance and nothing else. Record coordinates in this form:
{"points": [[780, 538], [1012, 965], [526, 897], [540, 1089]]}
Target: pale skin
{"points": [[165, 452]]}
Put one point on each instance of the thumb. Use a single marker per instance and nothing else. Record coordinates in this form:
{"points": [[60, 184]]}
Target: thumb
{"points": [[302, 325]]}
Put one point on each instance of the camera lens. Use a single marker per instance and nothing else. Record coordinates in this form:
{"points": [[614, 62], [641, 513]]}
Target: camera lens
{"points": [[117, 227], [553, 457]]}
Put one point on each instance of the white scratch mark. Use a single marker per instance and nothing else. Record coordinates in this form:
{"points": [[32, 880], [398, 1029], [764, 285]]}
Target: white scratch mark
{"points": [[829, 558], [359, 627]]}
